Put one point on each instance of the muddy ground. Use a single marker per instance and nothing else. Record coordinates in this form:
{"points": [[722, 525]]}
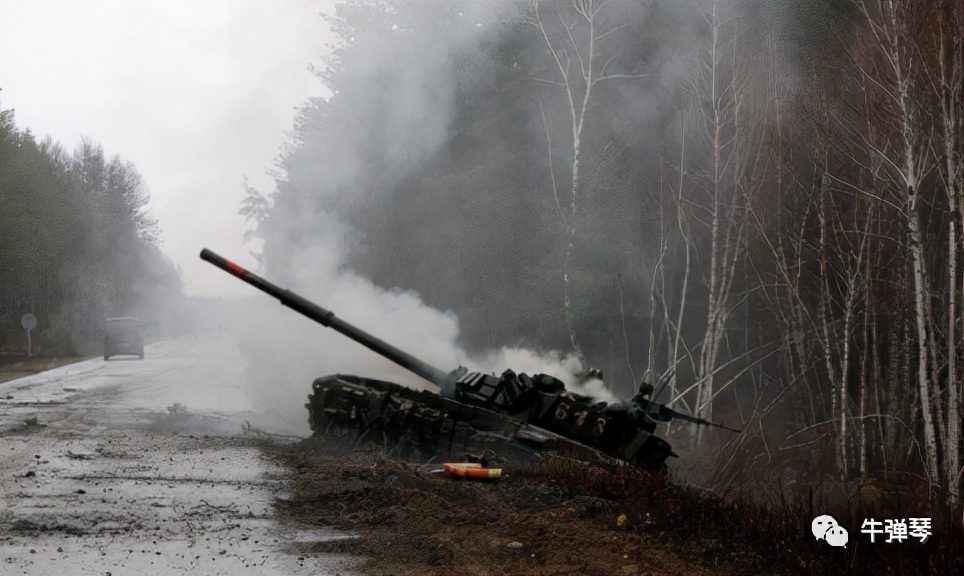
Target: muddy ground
{"points": [[563, 517], [553, 517]]}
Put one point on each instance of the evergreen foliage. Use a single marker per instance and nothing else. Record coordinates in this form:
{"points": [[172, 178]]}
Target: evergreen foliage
{"points": [[77, 244]]}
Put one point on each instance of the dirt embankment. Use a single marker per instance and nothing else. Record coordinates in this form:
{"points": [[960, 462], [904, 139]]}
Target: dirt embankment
{"points": [[12, 368]]}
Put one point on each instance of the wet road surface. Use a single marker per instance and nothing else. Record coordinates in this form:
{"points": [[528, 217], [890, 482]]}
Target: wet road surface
{"points": [[145, 467]]}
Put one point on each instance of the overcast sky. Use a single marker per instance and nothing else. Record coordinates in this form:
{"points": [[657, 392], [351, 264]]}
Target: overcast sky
{"points": [[196, 93]]}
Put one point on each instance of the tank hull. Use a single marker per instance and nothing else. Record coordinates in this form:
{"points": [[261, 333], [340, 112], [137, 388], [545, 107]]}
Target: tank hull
{"points": [[424, 425]]}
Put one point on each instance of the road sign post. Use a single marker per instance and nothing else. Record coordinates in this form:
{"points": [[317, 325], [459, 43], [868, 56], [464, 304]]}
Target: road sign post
{"points": [[29, 322]]}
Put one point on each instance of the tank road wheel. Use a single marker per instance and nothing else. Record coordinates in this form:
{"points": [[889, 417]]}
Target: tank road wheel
{"points": [[337, 431]]}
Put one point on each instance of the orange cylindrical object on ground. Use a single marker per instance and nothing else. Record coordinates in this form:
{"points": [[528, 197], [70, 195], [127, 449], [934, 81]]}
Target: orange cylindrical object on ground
{"points": [[472, 470]]}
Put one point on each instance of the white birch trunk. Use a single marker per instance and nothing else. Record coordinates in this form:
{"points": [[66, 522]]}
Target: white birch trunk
{"points": [[686, 236], [865, 361], [577, 82], [711, 339], [911, 181], [913, 155], [837, 391], [951, 93]]}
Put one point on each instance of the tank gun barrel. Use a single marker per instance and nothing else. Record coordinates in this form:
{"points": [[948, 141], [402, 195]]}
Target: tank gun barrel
{"points": [[329, 320], [666, 414]]}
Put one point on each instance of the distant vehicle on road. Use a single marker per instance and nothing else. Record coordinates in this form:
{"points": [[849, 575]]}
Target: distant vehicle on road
{"points": [[124, 336]]}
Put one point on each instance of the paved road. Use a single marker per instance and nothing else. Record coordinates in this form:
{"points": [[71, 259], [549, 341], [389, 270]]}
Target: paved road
{"points": [[144, 467]]}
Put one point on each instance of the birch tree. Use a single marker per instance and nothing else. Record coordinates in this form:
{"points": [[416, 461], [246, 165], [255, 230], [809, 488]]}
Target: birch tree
{"points": [[848, 228], [890, 63], [719, 200], [579, 39], [935, 34]]}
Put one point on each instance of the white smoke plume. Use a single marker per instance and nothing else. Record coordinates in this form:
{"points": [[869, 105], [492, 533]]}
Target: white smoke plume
{"points": [[285, 353]]}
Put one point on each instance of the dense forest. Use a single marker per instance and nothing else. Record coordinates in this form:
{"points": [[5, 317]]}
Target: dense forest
{"points": [[77, 245], [756, 205]]}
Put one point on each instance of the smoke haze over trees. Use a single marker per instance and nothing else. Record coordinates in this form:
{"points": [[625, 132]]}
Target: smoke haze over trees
{"points": [[76, 244], [759, 200]]}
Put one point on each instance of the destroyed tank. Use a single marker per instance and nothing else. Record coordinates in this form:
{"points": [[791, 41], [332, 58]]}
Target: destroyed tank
{"points": [[513, 415]]}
